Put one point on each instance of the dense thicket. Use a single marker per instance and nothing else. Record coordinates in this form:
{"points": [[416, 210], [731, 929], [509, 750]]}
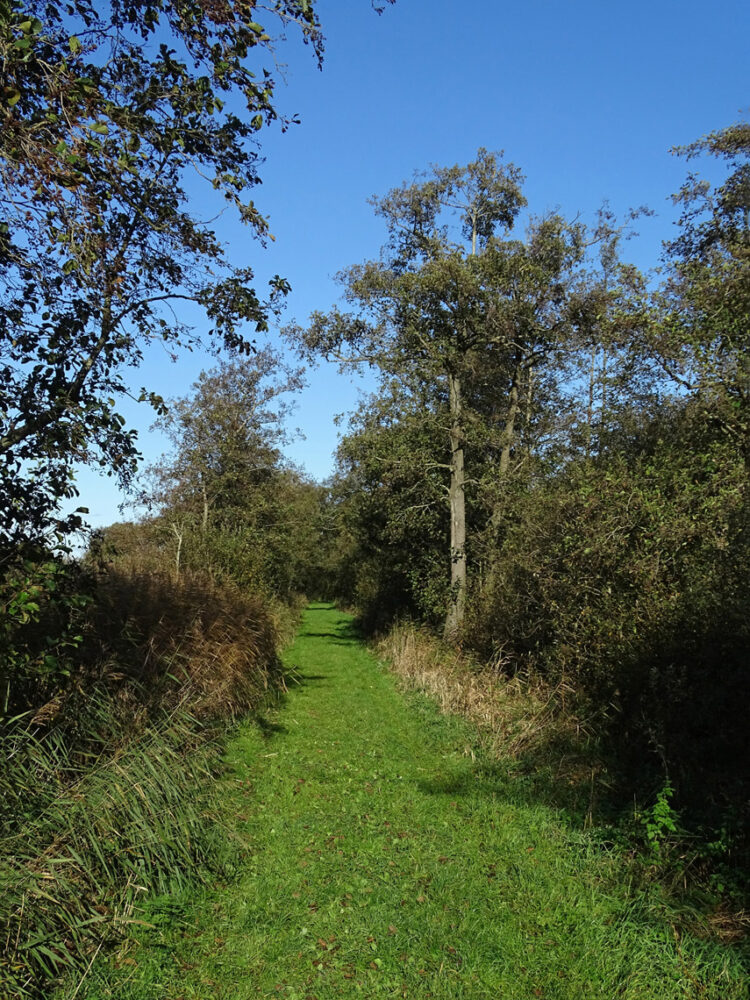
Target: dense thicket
{"points": [[604, 465]]}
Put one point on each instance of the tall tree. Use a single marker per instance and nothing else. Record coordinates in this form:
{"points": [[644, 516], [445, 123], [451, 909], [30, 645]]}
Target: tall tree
{"points": [[454, 304], [702, 333], [106, 110], [225, 492]]}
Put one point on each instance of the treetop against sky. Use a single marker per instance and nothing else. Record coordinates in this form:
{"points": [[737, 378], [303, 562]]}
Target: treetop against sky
{"points": [[586, 99]]}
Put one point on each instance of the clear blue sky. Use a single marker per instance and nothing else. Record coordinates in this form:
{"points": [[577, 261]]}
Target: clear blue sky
{"points": [[586, 97]]}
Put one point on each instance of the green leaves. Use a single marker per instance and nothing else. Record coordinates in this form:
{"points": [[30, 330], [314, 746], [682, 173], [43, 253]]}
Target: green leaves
{"points": [[95, 149]]}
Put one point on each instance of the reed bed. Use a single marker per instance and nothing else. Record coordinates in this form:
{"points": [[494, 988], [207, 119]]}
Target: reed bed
{"points": [[106, 789]]}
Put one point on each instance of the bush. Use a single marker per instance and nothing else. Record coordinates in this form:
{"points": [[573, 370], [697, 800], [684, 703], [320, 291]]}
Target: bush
{"points": [[106, 770], [626, 577]]}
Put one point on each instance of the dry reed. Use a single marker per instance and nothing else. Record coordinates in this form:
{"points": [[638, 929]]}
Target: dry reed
{"points": [[515, 716]]}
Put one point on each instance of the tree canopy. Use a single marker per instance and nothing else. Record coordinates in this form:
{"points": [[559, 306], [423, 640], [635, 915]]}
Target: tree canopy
{"points": [[459, 310], [106, 113]]}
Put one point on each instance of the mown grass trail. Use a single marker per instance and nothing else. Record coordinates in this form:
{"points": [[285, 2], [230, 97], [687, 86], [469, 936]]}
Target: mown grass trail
{"points": [[384, 860]]}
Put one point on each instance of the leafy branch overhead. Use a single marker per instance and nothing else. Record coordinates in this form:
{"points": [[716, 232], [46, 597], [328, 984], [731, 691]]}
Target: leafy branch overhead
{"points": [[112, 117]]}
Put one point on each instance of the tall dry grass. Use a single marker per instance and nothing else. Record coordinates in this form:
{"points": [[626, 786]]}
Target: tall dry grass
{"points": [[516, 716], [529, 724], [106, 787], [199, 643]]}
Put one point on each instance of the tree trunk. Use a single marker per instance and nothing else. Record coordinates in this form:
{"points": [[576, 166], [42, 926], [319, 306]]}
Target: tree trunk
{"points": [[204, 520], [603, 414], [509, 431], [590, 408], [529, 409], [507, 439], [455, 616], [178, 533]]}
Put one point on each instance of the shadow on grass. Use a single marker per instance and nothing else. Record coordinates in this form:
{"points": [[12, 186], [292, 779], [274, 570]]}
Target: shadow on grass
{"points": [[268, 729], [561, 774], [338, 638], [587, 798], [342, 633]]}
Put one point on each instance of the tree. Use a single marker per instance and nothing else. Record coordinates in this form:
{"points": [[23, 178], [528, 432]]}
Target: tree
{"points": [[701, 333], [225, 492], [456, 308], [388, 494], [105, 111], [226, 434]]}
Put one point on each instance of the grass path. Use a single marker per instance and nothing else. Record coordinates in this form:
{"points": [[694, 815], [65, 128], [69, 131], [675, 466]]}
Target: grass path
{"points": [[385, 860]]}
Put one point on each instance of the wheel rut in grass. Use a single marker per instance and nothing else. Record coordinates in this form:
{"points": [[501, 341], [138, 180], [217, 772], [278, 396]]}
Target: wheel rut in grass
{"points": [[384, 859]]}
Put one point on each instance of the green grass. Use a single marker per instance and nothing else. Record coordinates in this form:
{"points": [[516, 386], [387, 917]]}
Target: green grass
{"points": [[383, 857]]}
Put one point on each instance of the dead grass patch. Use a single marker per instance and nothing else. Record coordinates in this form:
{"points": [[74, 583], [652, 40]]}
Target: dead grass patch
{"points": [[516, 717]]}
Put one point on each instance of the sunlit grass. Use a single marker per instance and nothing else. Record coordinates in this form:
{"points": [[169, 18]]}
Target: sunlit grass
{"points": [[385, 857]]}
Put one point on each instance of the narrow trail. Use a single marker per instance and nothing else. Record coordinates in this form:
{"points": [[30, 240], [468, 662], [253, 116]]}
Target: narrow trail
{"points": [[384, 860]]}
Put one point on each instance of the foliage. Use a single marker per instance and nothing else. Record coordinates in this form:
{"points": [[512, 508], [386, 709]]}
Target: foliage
{"points": [[107, 112], [459, 314], [43, 612], [388, 501], [660, 822], [224, 500], [607, 537], [701, 335], [74, 877], [106, 781]]}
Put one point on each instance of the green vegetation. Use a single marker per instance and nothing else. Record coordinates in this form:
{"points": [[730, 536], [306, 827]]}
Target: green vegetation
{"points": [[120, 672], [225, 500], [387, 854], [106, 782], [554, 470], [552, 475], [107, 111]]}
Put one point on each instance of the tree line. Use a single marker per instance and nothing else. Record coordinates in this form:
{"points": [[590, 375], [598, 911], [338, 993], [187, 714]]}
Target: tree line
{"points": [[554, 468]]}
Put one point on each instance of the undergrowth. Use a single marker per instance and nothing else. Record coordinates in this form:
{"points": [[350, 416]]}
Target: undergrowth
{"points": [[541, 733], [108, 785]]}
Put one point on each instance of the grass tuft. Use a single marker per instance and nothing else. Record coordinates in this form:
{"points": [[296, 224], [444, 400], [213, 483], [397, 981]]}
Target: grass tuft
{"points": [[108, 787]]}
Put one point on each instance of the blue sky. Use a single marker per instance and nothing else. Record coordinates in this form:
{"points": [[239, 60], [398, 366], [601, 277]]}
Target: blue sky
{"points": [[586, 98]]}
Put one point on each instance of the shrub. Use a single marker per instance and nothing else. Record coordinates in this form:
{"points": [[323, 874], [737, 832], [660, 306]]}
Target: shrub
{"points": [[106, 772]]}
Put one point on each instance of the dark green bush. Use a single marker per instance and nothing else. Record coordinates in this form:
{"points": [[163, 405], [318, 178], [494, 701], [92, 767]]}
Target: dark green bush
{"points": [[626, 577]]}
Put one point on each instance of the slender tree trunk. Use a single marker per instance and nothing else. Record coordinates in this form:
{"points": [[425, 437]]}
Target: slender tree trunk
{"points": [[508, 437], [603, 413], [529, 401], [590, 408], [204, 520], [178, 533], [455, 616], [509, 431]]}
